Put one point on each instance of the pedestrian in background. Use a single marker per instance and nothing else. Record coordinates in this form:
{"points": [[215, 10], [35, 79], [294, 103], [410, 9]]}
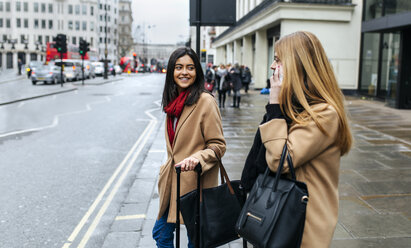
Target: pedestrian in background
{"points": [[210, 76], [246, 78], [235, 77], [223, 85], [193, 124], [305, 111], [228, 67], [19, 65]]}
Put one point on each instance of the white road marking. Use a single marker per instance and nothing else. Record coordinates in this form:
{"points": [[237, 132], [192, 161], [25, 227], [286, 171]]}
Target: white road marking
{"points": [[131, 217], [136, 149]]}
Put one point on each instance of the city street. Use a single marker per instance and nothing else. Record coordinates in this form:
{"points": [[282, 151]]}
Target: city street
{"points": [[79, 168], [68, 159]]}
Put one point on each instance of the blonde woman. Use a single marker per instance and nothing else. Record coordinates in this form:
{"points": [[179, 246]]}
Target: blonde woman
{"points": [[305, 111]]}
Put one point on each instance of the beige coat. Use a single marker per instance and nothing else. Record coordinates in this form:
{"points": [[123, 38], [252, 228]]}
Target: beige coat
{"points": [[317, 160], [199, 126]]}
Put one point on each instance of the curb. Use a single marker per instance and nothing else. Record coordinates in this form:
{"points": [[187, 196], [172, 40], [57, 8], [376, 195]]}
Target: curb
{"points": [[57, 92], [38, 96], [14, 79]]}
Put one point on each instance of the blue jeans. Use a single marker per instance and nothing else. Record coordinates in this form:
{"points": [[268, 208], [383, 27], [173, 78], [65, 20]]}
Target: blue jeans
{"points": [[163, 233]]}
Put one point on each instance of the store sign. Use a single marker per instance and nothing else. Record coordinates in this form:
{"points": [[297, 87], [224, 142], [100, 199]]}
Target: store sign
{"points": [[214, 12]]}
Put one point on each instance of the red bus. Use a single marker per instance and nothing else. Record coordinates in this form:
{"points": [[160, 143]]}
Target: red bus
{"points": [[72, 52], [127, 63]]}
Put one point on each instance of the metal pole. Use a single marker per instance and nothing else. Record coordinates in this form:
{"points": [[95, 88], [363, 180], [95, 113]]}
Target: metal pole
{"points": [[198, 26], [61, 69], [82, 69]]}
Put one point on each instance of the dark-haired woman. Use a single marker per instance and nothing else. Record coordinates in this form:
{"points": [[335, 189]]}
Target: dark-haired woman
{"points": [[193, 125]]}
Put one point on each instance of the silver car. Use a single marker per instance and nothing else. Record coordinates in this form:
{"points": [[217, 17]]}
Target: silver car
{"points": [[47, 74]]}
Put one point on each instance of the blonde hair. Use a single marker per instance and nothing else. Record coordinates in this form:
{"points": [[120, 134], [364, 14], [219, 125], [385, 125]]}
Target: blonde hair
{"points": [[309, 79]]}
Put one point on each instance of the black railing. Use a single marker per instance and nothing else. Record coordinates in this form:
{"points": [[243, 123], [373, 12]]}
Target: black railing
{"points": [[258, 9]]}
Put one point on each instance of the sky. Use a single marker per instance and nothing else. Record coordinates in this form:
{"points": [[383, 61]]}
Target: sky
{"points": [[168, 20]]}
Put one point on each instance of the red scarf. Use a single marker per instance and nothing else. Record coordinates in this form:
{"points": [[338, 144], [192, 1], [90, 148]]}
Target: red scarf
{"points": [[174, 110]]}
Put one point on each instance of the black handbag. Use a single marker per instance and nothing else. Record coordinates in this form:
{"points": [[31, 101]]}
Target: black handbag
{"points": [[273, 215], [219, 210]]}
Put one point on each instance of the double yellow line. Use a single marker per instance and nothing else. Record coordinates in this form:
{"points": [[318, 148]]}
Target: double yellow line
{"points": [[133, 153]]}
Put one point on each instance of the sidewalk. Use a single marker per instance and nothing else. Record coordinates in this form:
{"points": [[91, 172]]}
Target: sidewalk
{"points": [[375, 178], [10, 75]]}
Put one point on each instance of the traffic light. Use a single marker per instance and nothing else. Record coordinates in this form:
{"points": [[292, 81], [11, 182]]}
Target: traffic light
{"points": [[61, 43], [84, 47]]}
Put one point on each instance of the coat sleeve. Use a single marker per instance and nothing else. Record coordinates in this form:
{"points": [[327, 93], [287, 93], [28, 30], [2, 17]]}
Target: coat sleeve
{"points": [[304, 142], [212, 132]]}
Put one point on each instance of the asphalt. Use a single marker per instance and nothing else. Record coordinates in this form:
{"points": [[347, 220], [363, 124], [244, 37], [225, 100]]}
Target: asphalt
{"points": [[375, 177]]}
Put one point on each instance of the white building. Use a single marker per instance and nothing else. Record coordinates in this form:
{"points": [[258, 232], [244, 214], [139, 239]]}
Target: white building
{"points": [[108, 14], [337, 23], [26, 27], [208, 52]]}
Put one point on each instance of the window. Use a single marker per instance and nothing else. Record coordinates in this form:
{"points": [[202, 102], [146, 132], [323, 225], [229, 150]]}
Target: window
{"points": [[22, 39], [91, 26], [43, 8], [84, 9], [26, 6], [50, 8], [101, 17], [8, 23], [40, 39], [115, 21], [108, 40], [74, 40], [47, 38], [101, 29], [70, 25], [18, 6], [1, 6], [1, 22], [26, 23], [36, 23], [109, 20], [36, 7], [77, 9], [50, 24], [91, 41], [43, 24], [101, 6], [84, 25], [101, 39], [4, 37], [92, 10], [70, 9], [18, 22], [7, 6], [122, 18], [77, 25]]}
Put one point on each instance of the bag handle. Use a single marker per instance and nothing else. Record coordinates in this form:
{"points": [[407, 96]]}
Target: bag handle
{"points": [[284, 155], [223, 172]]}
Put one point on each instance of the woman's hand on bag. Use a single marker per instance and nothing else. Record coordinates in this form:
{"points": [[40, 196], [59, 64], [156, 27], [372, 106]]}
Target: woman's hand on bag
{"points": [[188, 164], [275, 85]]}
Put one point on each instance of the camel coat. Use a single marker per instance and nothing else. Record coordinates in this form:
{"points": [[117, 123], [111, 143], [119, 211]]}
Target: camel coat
{"points": [[317, 160], [199, 127]]}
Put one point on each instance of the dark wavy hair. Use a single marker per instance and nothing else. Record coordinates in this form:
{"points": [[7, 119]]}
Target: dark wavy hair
{"points": [[170, 87]]}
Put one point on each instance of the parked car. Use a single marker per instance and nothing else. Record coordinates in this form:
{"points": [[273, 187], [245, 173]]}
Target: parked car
{"points": [[118, 69], [88, 69], [98, 68], [47, 74], [72, 68], [32, 66]]}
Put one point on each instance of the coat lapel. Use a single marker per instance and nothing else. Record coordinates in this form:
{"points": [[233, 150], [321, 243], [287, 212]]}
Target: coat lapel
{"points": [[186, 113]]}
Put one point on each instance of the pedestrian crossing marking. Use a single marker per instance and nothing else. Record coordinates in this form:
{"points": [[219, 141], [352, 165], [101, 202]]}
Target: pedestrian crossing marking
{"points": [[131, 217]]}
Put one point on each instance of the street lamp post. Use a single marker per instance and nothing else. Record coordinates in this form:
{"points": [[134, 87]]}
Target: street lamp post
{"points": [[105, 43]]}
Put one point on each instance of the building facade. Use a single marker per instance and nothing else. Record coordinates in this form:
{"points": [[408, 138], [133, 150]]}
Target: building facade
{"points": [[125, 42], [108, 33], [250, 42], [386, 51], [27, 26]]}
